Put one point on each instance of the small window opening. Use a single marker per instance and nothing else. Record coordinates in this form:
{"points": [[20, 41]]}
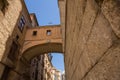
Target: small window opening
{"points": [[21, 23], [34, 33], [5, 73], [13, 51], [33, 75], [17, 37], [48, 32]]}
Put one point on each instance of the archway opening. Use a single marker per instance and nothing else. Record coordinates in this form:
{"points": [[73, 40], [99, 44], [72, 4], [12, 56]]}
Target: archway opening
{"points": [[34, 50], [43, 61], [48, 66], [39, 49]]}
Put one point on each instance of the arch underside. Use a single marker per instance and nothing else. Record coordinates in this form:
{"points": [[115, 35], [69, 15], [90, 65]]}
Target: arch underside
{"points": [[41, 49]]}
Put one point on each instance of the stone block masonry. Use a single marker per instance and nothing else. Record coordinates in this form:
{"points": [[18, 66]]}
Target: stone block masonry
{"points": [[92, 40], [7, 23]]}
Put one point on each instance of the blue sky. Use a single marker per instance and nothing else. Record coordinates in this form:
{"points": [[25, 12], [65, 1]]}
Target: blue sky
{"points": [[58, 61], [47, 12]]}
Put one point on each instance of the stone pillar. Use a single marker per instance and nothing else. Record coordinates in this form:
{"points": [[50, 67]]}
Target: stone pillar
{"points": [[62, 6]]}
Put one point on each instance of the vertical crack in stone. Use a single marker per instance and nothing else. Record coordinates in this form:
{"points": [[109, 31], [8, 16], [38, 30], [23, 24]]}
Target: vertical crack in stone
{"points": [[97, 61], [85, 43], [84, 6], [111, 10]]}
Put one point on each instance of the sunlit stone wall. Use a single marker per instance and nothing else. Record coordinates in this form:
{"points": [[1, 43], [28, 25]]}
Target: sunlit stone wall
{"points": [[92, 50], [8, 19]]}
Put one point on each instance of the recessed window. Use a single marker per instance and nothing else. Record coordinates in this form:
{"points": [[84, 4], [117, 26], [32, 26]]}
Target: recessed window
{"points": [[34, 33], [48, 32], [6, 73], [17, 37], [33, 75], [21, 23], [13, 51]]}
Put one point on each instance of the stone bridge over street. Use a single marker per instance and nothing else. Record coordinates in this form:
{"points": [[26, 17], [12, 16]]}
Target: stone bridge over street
{"points": [[39, 40], [88, 35]]}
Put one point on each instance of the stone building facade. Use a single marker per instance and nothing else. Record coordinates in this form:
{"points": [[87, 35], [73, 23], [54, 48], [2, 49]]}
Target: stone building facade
{"points": [[41, 67], [13, 24], [63, 76], [47, 66], [34, 21], [56, 74], [90, 32], [37, 68]]}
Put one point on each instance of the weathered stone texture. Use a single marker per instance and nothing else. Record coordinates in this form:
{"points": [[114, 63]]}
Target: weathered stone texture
{"points": [[8, 22], [108, 67], [1, 69], [92, 46], [61, 5], [111, 10], [9, 32], [89, 35]]}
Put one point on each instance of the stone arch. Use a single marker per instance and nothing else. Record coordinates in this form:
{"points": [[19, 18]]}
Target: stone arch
{"points": [[36, 50], [38, 41]]}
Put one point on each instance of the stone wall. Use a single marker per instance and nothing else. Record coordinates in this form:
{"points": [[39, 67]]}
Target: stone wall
{"points": [[9, 32], [92, 46], [92, 50], [62, 10], [8, 21]]}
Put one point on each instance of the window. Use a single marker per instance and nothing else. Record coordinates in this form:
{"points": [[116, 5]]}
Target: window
{"points": [[41, 77], [33, 75], [13, 51], [48, 32], [36, 75], [21, 23], [5, 73], [17, 37], [34, 33], [34, 60]]}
